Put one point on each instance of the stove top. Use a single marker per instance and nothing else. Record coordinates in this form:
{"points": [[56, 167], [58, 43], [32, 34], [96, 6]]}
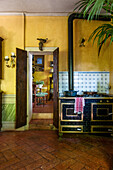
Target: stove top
{"points": [[94, 95], [89, 95]]}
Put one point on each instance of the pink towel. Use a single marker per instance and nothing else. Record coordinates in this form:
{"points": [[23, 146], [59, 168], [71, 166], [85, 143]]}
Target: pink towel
{"points": [[79, 104]]}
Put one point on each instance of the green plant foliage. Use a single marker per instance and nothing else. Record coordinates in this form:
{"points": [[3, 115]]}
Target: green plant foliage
{"points": [[39, 82], [92, 8], [102, 33]]}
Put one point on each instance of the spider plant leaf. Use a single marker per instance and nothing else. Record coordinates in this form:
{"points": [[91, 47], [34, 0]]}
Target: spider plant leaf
{"points": [[89, 3], [111, 40], [102, 33], [100, 46], [97, 35], [96, 9], [79, 4], [108, 9], [94, 32]]}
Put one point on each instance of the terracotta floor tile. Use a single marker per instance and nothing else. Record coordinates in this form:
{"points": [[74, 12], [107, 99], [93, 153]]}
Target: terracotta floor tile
{"points": [[38, 169], [36, 164], [77, 166], [35, 156], [60, 155], [51, 164], [9, 155], [34, 149], [49, 149], [46, 155], [4, 165], [16, 166], [65, 164]]}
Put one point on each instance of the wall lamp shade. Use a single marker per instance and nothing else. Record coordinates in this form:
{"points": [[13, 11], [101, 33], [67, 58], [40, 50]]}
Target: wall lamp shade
{"points": [[11, 59]]}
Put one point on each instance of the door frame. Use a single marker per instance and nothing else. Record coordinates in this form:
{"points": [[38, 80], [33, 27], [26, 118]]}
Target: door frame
{"points": [[35, 51]]}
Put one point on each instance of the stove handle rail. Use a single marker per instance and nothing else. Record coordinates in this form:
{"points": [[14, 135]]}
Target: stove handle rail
{"points": [[78, 113], [79, 129], [110, 114]]}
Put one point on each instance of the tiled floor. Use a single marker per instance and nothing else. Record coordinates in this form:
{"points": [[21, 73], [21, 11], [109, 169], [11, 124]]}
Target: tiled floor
{"points": [[47, 108], [41, 124], [44, 150]]}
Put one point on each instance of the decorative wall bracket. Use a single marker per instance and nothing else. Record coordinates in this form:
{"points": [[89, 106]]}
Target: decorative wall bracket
{"points": [[41, 43]]}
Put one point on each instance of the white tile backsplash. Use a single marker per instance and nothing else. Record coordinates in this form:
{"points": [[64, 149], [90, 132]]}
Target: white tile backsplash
{"points": [[85, 81]]}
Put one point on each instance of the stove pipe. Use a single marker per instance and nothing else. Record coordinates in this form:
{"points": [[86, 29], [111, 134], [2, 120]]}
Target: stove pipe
{"points": [[70, 43]]}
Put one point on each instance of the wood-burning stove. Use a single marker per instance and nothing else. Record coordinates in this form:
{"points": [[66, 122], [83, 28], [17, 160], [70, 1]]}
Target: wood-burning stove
{"points": [[97, 116]]}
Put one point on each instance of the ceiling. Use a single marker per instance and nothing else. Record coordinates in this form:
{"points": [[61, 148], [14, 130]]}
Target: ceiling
{"points": [[37, 6]]}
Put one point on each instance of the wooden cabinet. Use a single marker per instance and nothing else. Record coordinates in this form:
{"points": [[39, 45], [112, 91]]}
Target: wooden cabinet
{"points": [[1, 39]]}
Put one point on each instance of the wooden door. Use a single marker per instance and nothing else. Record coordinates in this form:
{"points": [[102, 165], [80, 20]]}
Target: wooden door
{"points": [[55, 87], [1, 39], [0, 110], [21, 88]]}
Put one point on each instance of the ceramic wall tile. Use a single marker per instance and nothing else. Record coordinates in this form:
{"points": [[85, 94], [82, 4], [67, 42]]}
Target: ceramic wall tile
{"points": [[85, 81]]}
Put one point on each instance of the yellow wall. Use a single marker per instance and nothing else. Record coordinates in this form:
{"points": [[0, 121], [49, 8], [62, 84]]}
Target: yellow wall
{"points": [[86, 58], [55, 28], [11, 30]]}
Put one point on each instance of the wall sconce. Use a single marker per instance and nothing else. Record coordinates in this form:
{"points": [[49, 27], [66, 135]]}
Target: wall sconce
{"points": [[82, 42], [12, 60]]}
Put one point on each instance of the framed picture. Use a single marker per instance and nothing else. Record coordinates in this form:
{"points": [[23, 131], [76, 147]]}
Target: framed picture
{"points": [[39, 60]]}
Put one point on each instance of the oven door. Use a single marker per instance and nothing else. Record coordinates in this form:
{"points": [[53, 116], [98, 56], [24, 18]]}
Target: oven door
{"points": [[101, 112], [67, 113]]}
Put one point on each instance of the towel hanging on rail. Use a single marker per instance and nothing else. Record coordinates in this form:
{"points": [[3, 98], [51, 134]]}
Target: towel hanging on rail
{"points": [[79, 104]]}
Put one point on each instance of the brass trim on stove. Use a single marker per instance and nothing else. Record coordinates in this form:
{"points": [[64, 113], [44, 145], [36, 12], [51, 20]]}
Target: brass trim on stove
{"points": [[70, 116], [74, 126], [109, 97], [92, 104], [92, 131]]}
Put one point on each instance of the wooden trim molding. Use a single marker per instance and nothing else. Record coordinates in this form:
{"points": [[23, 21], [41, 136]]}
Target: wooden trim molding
{"points": [[8, 98]]}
